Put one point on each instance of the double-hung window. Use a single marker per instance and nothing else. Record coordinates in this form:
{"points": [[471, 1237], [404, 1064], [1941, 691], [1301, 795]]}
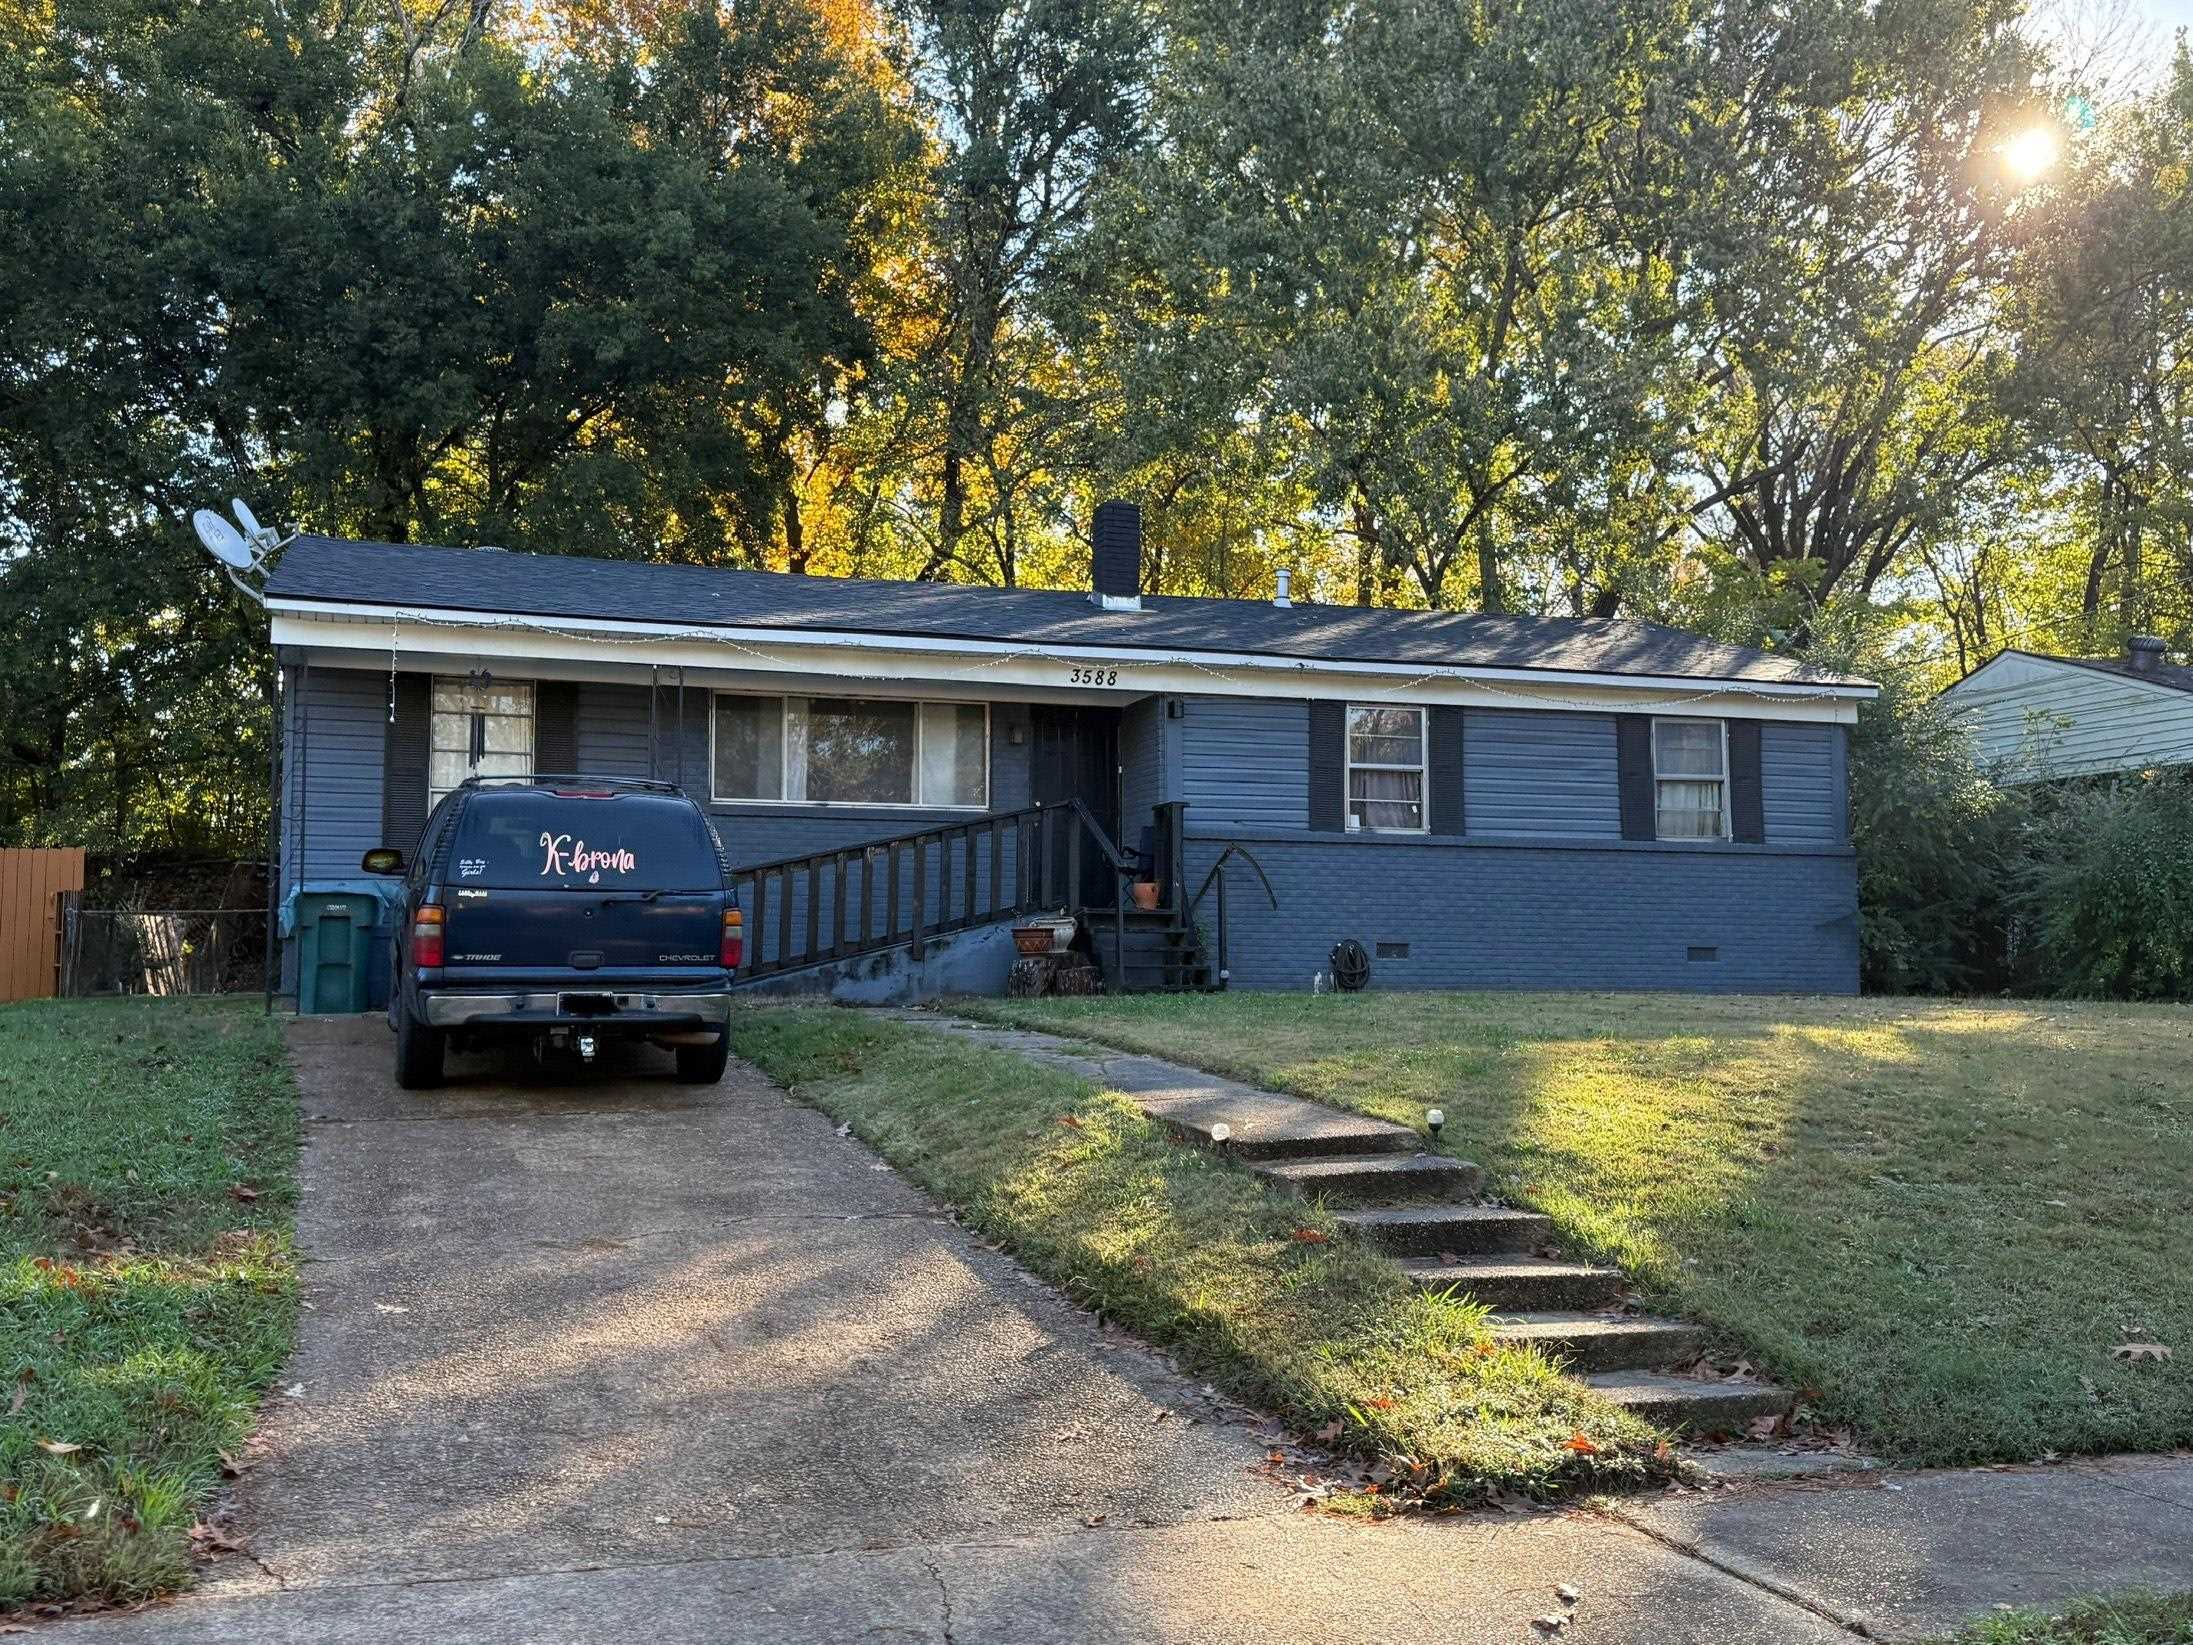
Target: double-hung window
{"points": [[478, 730], [852, 751], [1690, 763], [1385, 770]]}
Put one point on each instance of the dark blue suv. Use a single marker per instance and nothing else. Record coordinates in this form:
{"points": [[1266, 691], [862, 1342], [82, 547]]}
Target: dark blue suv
{"points": [[567, 911]]}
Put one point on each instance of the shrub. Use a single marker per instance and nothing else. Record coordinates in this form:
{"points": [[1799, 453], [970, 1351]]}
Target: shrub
{"points": [[2108, 891], [1938, 847]]}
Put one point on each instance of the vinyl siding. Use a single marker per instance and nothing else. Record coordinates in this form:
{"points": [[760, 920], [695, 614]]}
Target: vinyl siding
{"points": [[331, 803], [1146, 755], [1245, 762], [1531, 772], [1801, 774], [612, 729], [2035, 718]]}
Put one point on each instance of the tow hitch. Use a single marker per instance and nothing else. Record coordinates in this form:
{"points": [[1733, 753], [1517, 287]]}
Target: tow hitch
{"points": [[586, 1048]]}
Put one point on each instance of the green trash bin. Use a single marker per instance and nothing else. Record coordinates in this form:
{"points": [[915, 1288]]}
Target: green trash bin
{"points": [[335, 951]]}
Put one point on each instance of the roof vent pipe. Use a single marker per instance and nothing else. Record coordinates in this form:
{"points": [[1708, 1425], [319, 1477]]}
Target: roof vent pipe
{"points": [[1115, 560], [2143, 653], [1286, 581]]}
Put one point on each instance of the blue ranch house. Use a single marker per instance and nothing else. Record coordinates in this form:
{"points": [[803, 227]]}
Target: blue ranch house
{"points": [[899, 772]]}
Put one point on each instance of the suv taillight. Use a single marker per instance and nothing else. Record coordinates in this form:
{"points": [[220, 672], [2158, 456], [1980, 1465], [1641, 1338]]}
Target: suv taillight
{"points": [[426, 936], [734, 938]]}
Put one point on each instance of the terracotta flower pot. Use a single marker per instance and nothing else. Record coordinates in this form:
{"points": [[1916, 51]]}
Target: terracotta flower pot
{"points": [[1146, 894]]}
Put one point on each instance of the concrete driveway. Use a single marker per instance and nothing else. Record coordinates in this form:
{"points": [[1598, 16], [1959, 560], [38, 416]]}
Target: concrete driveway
{"points": [[621, 1358]]}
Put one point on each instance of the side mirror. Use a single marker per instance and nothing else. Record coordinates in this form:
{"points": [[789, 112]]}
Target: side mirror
{"points": [[382, 859]]}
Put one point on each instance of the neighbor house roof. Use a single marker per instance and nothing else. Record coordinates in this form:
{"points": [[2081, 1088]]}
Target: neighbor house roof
{"points": [[2160, 673], [410, 577]]}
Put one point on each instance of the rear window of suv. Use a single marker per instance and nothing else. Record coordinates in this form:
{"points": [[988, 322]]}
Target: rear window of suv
{"points": [[634, 842]]}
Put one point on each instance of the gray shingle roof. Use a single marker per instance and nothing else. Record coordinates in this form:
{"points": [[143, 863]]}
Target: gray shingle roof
{"points": [[576, 587], [2170, 674]]}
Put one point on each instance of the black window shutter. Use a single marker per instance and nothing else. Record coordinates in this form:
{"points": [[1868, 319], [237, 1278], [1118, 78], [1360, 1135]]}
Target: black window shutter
{"points": [[1747, 791], [1444, 779], [1633, 773], [1328, 766], [556, 728], [403, 762]]}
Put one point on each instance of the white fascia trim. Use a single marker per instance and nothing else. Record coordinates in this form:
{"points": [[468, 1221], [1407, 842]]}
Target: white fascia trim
{"points": [[323, 624]]}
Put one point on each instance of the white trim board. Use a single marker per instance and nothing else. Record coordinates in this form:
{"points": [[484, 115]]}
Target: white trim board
{"points": [[367, 635]]}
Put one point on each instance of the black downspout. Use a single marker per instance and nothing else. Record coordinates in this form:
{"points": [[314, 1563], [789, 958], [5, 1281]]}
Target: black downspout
{"points": [[654, 737], [681, 725]]}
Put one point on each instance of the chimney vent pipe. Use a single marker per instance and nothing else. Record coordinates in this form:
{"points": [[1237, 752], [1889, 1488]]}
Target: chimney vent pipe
{"points": [[2143, 653], [1283, 596]]}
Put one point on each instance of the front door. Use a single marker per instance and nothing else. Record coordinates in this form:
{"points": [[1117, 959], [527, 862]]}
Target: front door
{"points": [[1073, 754]]}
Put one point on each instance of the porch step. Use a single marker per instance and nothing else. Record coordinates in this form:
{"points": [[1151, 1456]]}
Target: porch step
{"points": [[1427, 1230], [1599, 1342], [1517, 1284], [1700, 1407], [1373, 1179]]}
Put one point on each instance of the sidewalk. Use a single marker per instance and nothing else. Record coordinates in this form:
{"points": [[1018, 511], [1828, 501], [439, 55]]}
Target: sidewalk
{"points": [[1884, 1554]]}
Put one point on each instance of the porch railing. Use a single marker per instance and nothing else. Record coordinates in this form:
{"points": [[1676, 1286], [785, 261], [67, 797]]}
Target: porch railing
{"points": [[905, 891]]}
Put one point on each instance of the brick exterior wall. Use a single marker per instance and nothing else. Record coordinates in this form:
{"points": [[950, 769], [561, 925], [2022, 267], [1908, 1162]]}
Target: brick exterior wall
{"points": [[1482, 915]]}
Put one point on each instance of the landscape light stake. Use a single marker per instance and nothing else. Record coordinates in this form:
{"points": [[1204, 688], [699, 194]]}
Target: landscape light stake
{"points": [[1436, 1118]]}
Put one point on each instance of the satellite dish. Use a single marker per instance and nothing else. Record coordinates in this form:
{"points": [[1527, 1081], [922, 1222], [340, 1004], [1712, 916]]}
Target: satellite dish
{"points": [[245, 518], [223, 541]]}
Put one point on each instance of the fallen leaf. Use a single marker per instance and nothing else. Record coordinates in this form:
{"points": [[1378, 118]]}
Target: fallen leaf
{"points": [[295, 1390], [1310, 1236], [1447, 1259], [1070, 1121], [1331, 1431], [22, 1391], [237, 1190], [1566, 1594], [846, 1129], [1549, 1624], [2133, 1352], [390, 1308], [1663, 1452], [1380, 1402], [1094, 1520], [59, 1447], [1766, 1427], [1582, 1446]]}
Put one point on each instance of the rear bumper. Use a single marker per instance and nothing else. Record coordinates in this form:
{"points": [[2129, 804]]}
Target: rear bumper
{"points": [[637, 1011]]}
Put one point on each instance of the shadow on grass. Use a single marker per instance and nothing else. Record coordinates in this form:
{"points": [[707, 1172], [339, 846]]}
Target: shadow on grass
{"points": [[1941, 1216]]}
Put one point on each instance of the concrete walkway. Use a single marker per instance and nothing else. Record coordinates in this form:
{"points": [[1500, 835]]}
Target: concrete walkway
{"points": [[620, 1358]]}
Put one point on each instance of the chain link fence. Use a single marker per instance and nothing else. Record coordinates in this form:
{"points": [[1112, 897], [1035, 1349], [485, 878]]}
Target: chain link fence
{"points": [[162, 951]]}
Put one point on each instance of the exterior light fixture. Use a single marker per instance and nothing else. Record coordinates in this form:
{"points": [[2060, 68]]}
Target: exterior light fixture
{"points": [[1435, 1118], [1221, 1133]]}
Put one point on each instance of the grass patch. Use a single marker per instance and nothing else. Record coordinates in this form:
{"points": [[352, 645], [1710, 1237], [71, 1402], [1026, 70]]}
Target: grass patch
{"points": [[147, 1190], [1197, 1254], [1944, 1216], [2136, 1619]]}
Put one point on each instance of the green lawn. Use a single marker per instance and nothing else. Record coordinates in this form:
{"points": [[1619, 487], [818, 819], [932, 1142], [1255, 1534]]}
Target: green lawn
{"points": [[147, 1189], [1251, 1290], [2138, 1619], [1944, 1217]]}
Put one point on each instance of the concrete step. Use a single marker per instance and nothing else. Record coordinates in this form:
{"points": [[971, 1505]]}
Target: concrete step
{"points": [[1373, 1179], [1511, 1283], [1699, 1407], [1598, 1342], [1427, 1230]]}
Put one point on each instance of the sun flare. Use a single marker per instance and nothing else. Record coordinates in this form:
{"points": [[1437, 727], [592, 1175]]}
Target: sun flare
{"points": [[2030, 153]]}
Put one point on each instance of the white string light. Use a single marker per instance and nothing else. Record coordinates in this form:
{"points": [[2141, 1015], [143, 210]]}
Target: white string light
{"points": [[777, 661]]}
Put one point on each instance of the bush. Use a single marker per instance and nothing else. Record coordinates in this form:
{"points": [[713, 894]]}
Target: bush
{"points": [[2107, 885], [1939, 847]]}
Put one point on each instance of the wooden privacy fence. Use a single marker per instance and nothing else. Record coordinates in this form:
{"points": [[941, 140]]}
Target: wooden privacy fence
{"points": [[31, 882]]}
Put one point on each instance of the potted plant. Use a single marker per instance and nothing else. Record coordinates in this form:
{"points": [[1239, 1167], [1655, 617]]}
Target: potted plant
{"points": [[1145, 894]]}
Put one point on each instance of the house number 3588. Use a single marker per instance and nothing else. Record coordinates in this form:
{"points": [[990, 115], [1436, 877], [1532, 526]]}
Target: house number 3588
{"points": [[1093, 676]]}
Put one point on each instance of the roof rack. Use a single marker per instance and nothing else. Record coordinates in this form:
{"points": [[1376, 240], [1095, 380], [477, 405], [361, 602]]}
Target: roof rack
{"points": [[543, 778]]}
